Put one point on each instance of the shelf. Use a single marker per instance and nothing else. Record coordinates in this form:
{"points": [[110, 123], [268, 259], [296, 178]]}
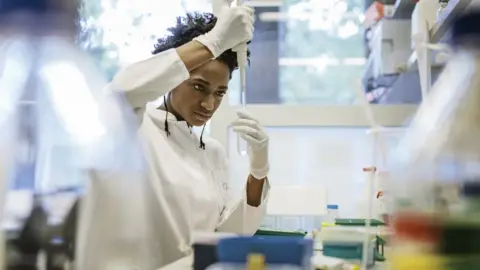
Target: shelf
{"points": [[439, 32], [406, 89], [408, 83], [404, 10]]}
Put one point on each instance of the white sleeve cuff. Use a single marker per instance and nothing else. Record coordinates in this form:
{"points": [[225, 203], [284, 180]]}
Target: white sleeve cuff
{"points": [[245, 219], [151, 78]]}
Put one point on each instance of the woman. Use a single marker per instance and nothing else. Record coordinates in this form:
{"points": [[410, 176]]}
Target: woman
{"points": [[188, 173]]}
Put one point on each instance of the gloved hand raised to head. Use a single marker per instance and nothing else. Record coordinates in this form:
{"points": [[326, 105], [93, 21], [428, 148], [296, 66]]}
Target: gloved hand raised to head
{"points": [[234, 26], [248, 127]]}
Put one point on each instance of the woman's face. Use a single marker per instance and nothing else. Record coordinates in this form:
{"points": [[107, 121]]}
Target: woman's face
{"points": [[197, 98]]}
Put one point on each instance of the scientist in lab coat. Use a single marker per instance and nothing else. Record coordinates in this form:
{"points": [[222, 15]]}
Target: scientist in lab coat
{"points": [[191, 68]]}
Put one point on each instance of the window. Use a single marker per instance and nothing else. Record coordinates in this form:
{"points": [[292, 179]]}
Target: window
{"points": [[305, 52], [120, 32]]}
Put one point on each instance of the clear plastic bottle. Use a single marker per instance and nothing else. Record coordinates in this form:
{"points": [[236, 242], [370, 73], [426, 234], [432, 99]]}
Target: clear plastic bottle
{"points": [[332, 213], [439, 153]]}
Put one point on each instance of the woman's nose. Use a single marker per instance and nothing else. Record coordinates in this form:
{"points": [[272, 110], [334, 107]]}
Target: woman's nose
{"points": [[208, 103]]}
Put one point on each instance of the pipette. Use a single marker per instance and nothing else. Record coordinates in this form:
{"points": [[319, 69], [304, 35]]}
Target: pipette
{"points": [[241, 51]]}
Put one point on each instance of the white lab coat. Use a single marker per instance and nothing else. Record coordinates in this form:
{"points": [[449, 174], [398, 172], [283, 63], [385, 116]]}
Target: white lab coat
{"points": [[190, 184]]}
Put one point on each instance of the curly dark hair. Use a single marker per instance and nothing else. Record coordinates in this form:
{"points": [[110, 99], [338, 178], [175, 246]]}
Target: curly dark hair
{"points": [[189, 27]]}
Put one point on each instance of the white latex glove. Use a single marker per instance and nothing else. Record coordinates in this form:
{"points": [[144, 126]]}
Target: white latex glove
{"points": [[248, 127], [234, 26]]}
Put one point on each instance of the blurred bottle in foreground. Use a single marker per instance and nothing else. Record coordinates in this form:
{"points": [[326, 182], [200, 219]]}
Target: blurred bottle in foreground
{"points": [[436, 220], [51, 90]]}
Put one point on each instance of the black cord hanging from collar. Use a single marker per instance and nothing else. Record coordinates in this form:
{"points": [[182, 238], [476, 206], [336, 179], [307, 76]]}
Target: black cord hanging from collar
{"points": [[202, 144], [166, 116]]}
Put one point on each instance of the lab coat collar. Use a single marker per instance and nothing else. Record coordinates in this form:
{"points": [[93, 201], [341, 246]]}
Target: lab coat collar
{"points": [[159, 118], [181, 134]]}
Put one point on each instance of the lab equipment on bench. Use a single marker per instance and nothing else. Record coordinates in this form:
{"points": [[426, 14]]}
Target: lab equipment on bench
{"points": [[276, 250], [438, 174], [205, 248], [350, 252], [332, 213], [204, 255], [276, 232], [321, 262], [347, 243], [358, 222], [254, 262]]}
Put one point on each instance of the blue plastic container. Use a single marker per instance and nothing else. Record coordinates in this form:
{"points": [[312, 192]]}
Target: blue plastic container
{"points": [[277, 250]]}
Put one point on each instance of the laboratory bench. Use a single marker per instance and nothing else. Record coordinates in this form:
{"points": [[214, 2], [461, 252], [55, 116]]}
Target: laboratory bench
{"points": [[349, 225], [187, 262]]}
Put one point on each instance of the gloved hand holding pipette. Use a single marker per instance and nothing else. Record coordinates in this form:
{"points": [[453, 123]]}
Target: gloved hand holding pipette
{"points": [[219, 8], [234, 27]]}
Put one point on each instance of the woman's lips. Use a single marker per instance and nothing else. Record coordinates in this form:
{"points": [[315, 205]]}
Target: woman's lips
{"points": [[202, 117]]}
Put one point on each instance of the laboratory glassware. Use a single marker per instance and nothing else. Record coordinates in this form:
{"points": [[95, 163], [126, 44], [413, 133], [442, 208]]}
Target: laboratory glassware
{"points": [[332, 213]]}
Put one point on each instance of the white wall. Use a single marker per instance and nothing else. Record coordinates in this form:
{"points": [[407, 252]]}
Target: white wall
{"points": [[332, 158], [314, 146]]}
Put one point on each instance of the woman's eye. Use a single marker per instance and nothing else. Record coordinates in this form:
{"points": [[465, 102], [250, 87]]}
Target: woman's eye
{"points": [[198, 87], [221, 94]]}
